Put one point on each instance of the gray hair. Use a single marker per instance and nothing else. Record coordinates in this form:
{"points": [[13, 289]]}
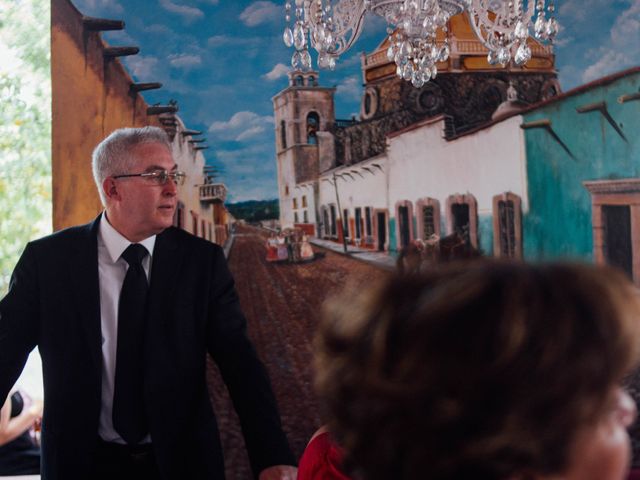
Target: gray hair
{"points": [[113, 156]]}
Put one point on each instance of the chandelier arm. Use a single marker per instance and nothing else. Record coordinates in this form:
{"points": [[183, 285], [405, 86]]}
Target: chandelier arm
{"points": [[488, 30], [348, 16]]}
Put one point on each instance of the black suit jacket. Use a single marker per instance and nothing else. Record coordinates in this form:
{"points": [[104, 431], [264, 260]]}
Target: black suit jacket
{"points": [[53, 302]]}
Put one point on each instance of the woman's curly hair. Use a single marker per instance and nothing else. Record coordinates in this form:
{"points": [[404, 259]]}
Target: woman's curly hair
{"points": [[481, 370]]}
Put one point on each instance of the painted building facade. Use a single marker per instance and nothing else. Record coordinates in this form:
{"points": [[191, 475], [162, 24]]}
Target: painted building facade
{"points": [[387, 178], [583, 170], [92, 95]]}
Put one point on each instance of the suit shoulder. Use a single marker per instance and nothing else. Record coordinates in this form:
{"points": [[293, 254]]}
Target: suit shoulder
{"points": [[191, 241], [63, 237]]}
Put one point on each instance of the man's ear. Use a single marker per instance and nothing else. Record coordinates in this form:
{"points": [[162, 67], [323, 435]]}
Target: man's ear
{"points": [[110, 189]]}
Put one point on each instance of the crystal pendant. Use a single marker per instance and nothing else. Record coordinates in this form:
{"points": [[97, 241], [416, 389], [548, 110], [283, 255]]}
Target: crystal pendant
{"points": [[552, 29], [443, 55], [391, 53], [399, 71], [521, 30], [299, 40], [426, 74], [523, 54], [405, 49], [492, 58], [332, 63], [305, 59], [540, 28], [323, 60], [503, 55], [287, 37], [407, 71], [435, 53], [417, 79], [328, 41], [296, 61], [434, 72]]}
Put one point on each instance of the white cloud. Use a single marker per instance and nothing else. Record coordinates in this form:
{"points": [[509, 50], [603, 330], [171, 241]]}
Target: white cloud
{"points": [[224, 40], [143, 67], [185, 61], [189, 13], [106, 6], [261, 12], [158, 28], [241, 126], [621, 50], [279, 71], [351, 88]]}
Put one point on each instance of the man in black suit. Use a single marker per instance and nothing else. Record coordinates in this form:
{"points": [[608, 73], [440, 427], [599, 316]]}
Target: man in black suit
{"points": [[124, 310]]}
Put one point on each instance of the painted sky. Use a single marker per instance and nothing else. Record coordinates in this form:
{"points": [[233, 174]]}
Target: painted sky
{"points": [[223, 61]]}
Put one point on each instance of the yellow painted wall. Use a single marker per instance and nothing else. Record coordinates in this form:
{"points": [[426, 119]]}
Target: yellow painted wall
{"points": [[91, 98]]}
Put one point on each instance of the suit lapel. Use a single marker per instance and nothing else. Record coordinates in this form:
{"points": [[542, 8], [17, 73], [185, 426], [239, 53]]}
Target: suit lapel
{"points": [[87, 290], [166, 259]]}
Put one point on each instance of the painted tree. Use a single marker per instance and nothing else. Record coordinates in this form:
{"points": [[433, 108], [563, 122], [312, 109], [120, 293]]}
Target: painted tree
{"points": [[25, 128]]}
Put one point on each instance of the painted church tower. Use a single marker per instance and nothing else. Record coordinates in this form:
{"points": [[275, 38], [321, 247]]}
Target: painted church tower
{"points": [[304, 115]]}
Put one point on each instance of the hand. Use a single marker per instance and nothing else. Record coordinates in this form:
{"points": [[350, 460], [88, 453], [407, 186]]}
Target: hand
{"points": [[279, 472]]}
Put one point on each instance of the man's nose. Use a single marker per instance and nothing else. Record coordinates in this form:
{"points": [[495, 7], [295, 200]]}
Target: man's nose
{"points": [[170, 188]]}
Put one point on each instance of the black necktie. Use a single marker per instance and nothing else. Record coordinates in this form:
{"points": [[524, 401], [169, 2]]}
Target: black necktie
{"points": [[129, 417]]}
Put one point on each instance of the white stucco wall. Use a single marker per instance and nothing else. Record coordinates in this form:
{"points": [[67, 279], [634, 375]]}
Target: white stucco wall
{"points": [[486, 163], [365, 188], [191, 162]]}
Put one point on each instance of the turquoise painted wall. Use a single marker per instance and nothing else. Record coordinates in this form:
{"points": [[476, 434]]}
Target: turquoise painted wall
{"points": [[393, 241], [485, 234], [558, 223]]}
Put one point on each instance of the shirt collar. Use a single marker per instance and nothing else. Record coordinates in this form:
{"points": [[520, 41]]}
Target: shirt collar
{"points": [[116, 243]]}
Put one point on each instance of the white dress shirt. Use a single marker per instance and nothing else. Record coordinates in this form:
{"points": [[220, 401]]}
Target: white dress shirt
{"points": [[112, 270]]}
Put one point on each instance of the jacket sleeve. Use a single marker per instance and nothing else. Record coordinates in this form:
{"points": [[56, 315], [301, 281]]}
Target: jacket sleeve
{"points": [[244, 374], [18, 321]]}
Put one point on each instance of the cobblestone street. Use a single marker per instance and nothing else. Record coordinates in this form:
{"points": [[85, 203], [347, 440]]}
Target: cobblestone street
{"points": [[282, 303]]}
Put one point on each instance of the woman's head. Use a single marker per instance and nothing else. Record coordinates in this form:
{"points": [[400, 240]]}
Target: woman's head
{"points": [[486, 370]]}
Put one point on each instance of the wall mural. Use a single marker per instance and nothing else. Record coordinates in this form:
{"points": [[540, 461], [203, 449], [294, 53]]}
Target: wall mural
{"points": [[291, 170]]}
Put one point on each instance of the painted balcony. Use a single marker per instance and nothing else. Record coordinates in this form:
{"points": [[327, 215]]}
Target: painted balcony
{"points": [[213, 193]]}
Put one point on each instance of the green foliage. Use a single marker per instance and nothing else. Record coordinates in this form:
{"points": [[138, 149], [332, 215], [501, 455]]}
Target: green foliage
{"points": [[25, 128], [255, 210]]}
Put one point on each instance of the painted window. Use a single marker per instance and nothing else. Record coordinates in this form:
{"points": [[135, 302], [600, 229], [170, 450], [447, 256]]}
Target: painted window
{"points": [[210, 232], [428, 217], [299, 81], [313, 124], [295, 203], [358, 222], [333, 221], [286, 189], [283, 134], [194, 223], [462, 211], [367, 221], [507, 225], [326, 226], [295, 217], [304, 201], [404, 222], [615, 207], [305, 217], [345, 222], [203, 231]]}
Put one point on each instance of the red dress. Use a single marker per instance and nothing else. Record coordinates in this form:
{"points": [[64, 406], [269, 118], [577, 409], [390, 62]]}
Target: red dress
{"points": [[321, 460]]}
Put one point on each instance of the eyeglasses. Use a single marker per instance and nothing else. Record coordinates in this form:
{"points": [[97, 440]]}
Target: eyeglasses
{"points": [[158, 177]]}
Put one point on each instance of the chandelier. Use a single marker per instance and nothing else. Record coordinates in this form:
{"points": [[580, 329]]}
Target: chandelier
{"points": [[332, 26]]}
